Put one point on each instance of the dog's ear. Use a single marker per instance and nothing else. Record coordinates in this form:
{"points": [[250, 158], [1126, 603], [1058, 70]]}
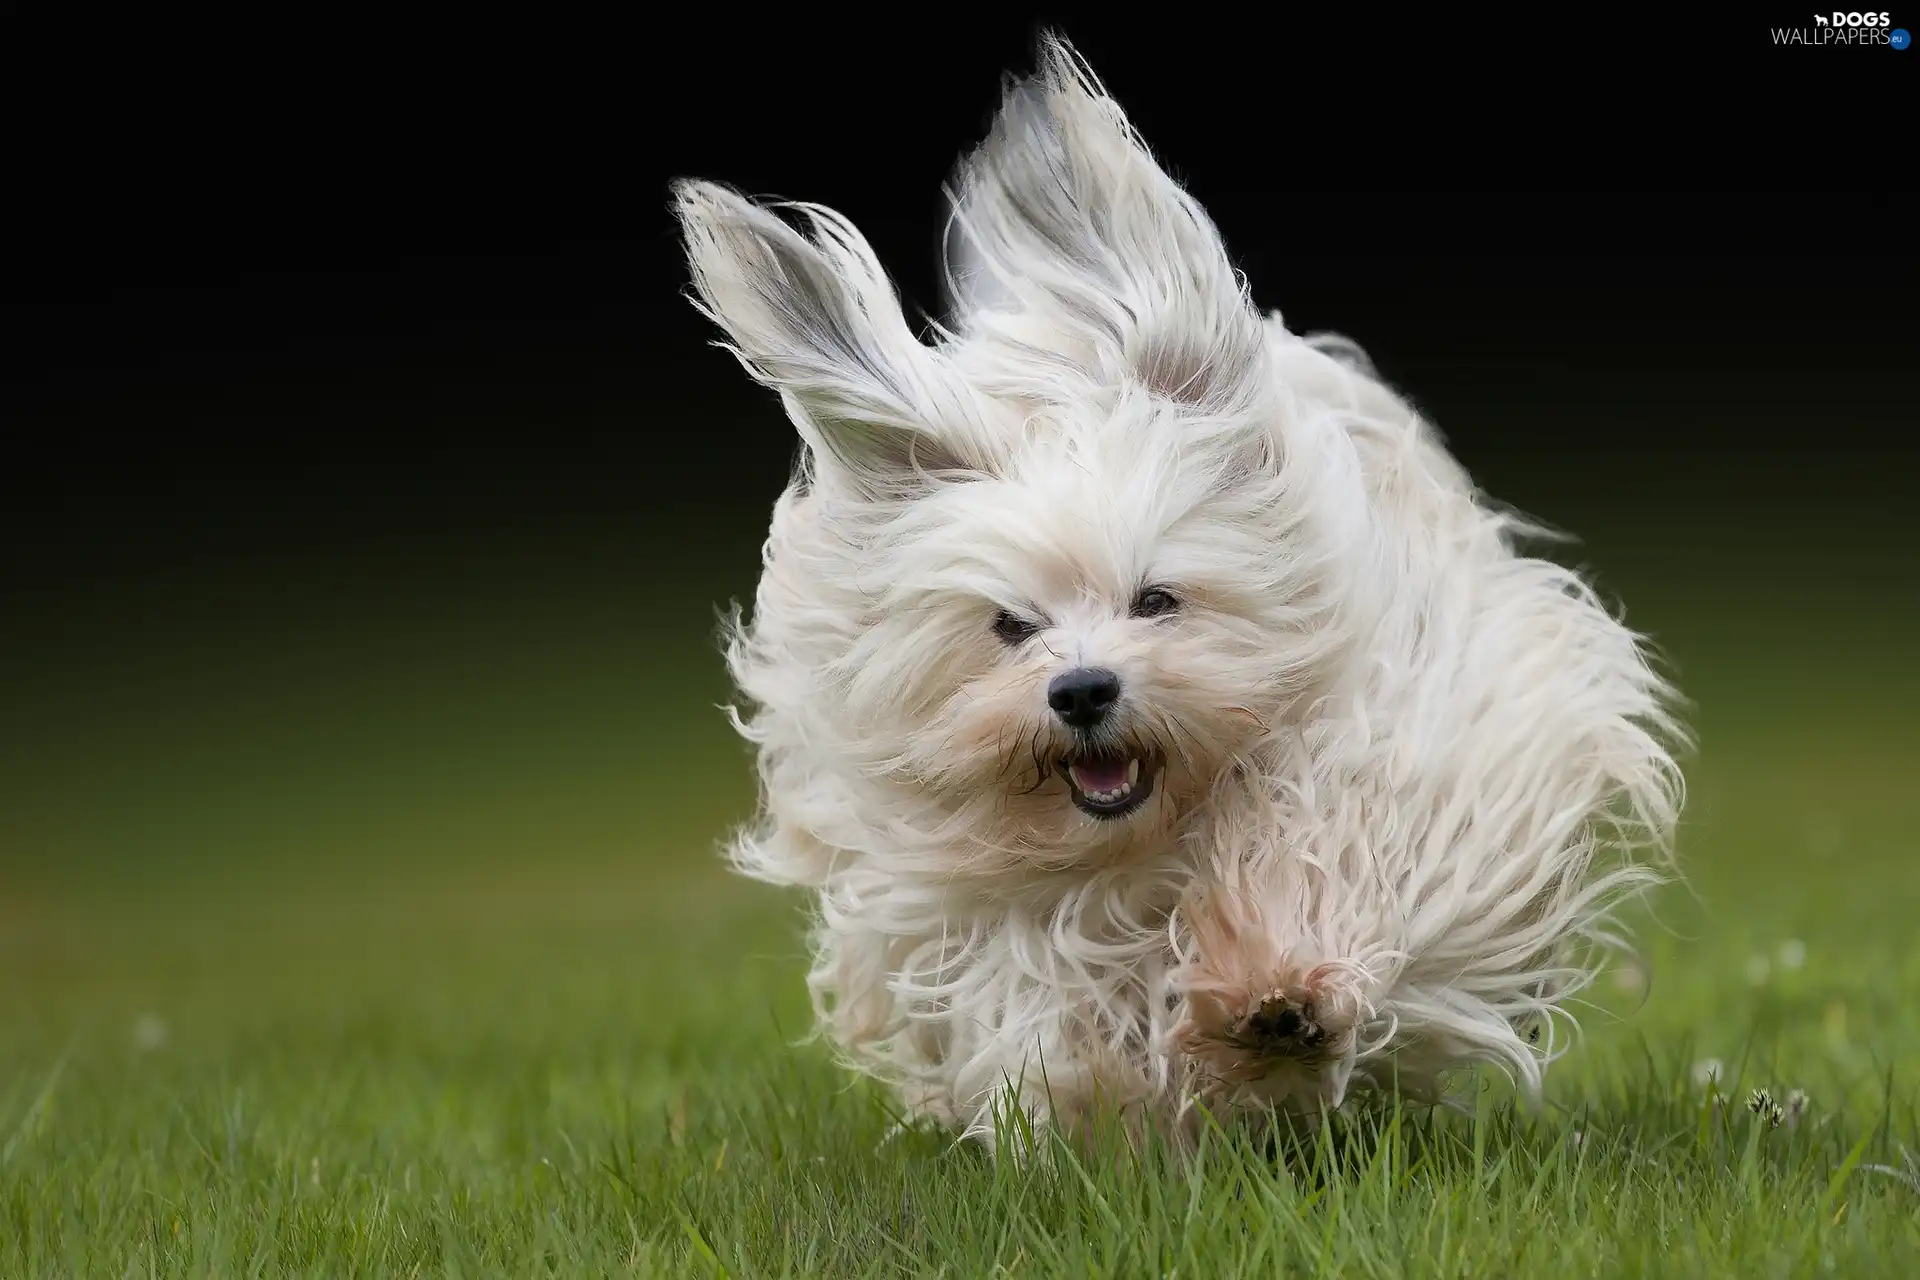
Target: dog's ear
{"points": [[814, 317], [1063, 216]]}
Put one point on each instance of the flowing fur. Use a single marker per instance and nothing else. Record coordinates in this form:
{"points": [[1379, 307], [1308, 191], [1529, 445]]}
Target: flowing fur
{"points": [[1406, 767]]}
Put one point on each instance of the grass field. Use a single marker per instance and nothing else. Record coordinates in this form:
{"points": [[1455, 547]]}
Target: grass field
{"points": [[388, 941]]}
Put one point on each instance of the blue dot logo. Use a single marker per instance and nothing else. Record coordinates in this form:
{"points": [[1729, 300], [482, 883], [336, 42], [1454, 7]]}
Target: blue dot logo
{"points": [[1899, 38]]}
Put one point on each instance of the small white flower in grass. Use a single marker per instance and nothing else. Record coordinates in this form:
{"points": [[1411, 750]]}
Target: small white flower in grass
{"points": [[1759, 968], [1708, 1071], [1761, 1103], [1578, 1138], [149, 1032], [1796, 1105], [1793, 953]]}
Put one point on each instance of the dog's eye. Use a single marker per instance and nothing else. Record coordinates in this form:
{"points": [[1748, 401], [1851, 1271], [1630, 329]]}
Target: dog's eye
{"points": [[1012, 628], [1153, 602]]}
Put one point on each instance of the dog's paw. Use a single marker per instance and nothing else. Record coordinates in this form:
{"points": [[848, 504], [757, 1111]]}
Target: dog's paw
{"points": [[1280, 1024], [1261, 1007], [1287, 1033], [1300, 1016]]}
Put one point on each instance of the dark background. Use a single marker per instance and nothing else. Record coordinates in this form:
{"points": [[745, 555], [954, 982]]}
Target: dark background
{"points": [[368, 486]]}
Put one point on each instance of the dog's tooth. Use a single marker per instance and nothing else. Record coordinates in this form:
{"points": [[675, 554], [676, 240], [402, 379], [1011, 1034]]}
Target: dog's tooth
{"points": [[1133, 772]]}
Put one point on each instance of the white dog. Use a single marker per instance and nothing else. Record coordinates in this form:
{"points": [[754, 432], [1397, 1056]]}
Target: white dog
{"points": [[1153, 706]]}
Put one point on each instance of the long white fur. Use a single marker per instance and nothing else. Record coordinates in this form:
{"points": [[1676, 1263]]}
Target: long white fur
{"points": [[1407, 766]]}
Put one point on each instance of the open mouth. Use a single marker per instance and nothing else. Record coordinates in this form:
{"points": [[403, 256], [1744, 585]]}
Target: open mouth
{"points": [[1110, 785]]}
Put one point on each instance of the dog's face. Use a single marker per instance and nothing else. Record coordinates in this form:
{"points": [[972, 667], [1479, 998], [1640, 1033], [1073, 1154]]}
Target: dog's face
{"points": [[1076, 646], [1060, 570]]}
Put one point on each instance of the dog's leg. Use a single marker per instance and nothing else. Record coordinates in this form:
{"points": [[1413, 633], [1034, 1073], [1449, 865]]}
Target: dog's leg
{"points": [[1273, 1030], [1272, 1005], [1075, 1079]]}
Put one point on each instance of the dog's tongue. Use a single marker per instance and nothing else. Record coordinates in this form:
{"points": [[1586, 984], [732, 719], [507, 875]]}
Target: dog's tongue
{"points": [[1099, 775]]}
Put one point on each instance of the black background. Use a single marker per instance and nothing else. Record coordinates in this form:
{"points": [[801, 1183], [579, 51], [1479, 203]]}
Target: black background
{"points": [[315, 304]]}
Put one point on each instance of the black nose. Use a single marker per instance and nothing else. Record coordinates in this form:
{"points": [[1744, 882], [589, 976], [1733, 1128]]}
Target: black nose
{"points": [[1083, 696]]}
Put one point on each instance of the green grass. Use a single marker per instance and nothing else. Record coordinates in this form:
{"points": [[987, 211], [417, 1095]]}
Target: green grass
{"points": [[394, 977]]}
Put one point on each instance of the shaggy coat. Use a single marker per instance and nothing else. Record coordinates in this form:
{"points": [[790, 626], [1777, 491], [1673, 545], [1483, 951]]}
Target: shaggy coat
{"points": [[1385, 774]]}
